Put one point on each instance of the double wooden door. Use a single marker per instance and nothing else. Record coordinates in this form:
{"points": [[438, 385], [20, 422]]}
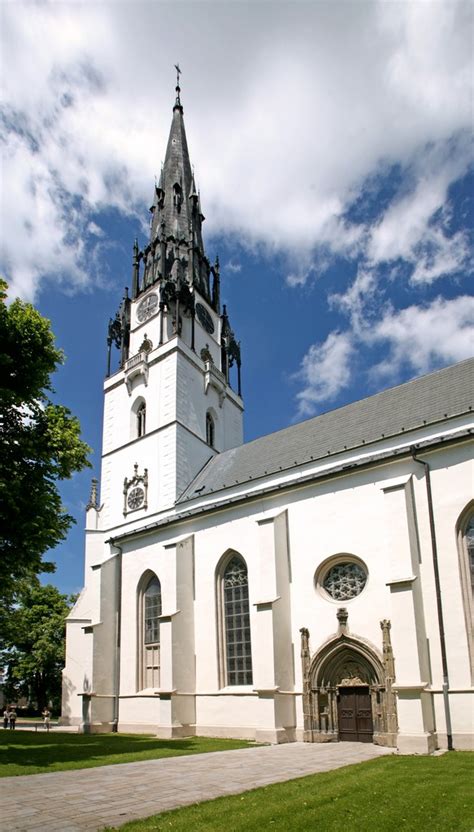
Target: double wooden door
{"points": [[354, 710]]}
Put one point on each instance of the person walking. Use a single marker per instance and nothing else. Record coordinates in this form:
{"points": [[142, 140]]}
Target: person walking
{"points": [[6, 717], [12, 719], [46, 718]]}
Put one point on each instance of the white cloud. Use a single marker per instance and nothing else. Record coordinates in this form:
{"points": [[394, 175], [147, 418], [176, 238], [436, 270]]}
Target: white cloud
{"points": [[235, 268], [358, 300], [301, 111], [425, 337], [414, 340], [95, 230], [325, 370], [415, 227]]}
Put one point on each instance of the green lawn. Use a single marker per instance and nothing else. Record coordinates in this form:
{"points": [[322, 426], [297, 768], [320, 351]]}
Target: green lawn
{"points": [[412, 794], [30, 752]]}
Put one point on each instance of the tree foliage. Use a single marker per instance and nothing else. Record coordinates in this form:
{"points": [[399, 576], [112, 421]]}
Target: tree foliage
{"points": [[40, 445], [33, 643]]}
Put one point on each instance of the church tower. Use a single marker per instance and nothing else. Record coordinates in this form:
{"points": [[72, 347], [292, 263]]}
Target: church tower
{"points": [[170, 407]]}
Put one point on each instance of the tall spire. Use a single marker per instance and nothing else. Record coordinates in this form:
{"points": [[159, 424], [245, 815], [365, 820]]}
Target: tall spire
{"points": [[176, 247], [175, 252]]}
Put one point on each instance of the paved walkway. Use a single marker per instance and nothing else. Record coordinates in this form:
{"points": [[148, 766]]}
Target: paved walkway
{"points": [[88, 799]]}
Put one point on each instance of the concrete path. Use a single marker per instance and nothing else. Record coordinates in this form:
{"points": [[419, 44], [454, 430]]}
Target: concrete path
{"points": [[89, 799]]}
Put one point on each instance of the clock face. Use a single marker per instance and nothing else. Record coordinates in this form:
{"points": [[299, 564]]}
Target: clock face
{"points": [[147, 307], [204, 318], [135, 498]]}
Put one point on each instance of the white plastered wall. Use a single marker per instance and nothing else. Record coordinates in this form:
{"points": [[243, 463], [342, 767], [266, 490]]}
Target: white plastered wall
{"points": [[345, 514]]}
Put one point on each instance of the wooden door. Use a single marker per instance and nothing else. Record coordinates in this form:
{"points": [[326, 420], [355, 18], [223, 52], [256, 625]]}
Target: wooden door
{"points": [[354, 710]]}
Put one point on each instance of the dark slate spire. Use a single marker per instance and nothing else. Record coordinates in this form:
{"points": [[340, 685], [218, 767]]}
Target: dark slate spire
{"points": [[176, 202], [176, 251], [175, 254]]}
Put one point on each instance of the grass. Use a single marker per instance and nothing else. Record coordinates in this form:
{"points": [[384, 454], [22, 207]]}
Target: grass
{"points": [[28, 752], [389, 794]]}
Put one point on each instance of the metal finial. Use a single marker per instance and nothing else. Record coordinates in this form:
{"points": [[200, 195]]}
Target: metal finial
{"points": [[178, 88]]}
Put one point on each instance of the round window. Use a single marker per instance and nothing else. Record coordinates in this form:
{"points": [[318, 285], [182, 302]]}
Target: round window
{"points": [[343, 579]]}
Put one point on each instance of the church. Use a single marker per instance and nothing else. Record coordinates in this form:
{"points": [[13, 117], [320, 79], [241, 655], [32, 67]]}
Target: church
{"points": [[313, 585]]}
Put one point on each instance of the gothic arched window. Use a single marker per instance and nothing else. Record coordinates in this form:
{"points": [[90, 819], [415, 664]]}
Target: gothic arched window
{"points": [[141, 420], [210, 430], [465, 529], [234, 614], [469, 539], [150, 611]]}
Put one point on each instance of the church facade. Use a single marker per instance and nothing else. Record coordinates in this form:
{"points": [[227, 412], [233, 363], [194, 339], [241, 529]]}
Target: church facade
{"points": [[314, 584]]}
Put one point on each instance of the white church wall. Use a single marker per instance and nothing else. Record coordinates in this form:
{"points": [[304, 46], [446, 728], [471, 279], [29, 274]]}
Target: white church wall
{"points": [[230, 715], [157, 453], [193, 402], [191, 455], [344, 515], [452, 475], [451, 481], [150, 328], [462, 718], [159, 394], [340, 517], [150, 557], [77, 673]]}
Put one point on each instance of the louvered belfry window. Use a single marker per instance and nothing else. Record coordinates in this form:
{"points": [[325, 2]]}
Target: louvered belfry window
{"points": [[237, 623]]}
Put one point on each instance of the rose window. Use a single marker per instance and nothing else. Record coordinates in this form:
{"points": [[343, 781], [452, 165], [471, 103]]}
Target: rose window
{"points": [[344, 581]]}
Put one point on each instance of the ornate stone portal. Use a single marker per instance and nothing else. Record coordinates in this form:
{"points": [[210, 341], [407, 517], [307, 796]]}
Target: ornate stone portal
{"points": [[348, 662]]}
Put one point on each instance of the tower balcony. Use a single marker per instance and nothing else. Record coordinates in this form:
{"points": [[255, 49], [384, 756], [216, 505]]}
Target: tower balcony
{"points": [[135, 366]]}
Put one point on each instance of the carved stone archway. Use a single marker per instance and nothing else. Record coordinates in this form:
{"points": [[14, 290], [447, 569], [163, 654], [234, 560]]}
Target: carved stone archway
{"points": [[347, 661]]}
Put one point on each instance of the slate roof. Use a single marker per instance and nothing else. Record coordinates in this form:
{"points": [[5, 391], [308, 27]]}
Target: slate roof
{"points": [[441, 395]]}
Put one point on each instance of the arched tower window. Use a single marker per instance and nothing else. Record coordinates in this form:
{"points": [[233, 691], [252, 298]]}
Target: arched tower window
{"points": [[141, 420], [138, 418], [465, 530], [210, 430], [149, 623], [234, 614]]}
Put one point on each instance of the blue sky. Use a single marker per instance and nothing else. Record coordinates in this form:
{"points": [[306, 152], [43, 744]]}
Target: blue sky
{"points": [[332, 146]]}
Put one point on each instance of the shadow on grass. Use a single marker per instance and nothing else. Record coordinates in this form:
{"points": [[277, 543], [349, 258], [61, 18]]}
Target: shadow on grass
{"points": [[55, 751]]}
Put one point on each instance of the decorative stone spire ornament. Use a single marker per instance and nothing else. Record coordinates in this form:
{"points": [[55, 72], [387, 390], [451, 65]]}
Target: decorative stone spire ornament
{"points": [[342, 615], [93, 496], [388, 659]]}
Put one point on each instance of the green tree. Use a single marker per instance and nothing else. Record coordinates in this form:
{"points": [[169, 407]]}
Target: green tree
{"points": [[40, 445], [33, 644]]}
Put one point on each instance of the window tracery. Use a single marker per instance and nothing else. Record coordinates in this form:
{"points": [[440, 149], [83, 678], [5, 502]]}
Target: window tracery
{"points": [[341, 577], [150, 609], [235, 623], [344, 581]]}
